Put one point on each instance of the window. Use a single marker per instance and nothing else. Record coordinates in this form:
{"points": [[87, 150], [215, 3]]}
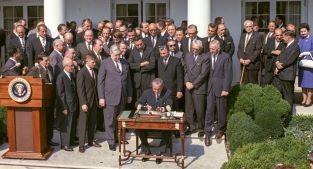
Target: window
{"points": [[127, 13], [258, 12], [34, 14], [11, 14], [262, 11], [155, 11], [290, 10]]}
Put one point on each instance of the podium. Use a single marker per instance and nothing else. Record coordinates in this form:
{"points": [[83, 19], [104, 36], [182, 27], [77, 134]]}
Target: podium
{"points": [[26, 99]]}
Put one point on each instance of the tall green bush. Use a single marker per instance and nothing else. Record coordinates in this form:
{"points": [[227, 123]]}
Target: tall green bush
{"points": [[264, 110]]}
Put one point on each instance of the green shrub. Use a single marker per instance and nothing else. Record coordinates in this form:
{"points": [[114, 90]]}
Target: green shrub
{"points": [[265, 110], [242, 130], [265, 155], [3, 126]]}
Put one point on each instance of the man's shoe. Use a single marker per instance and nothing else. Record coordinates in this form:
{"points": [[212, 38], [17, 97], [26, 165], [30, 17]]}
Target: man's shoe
{"points": [[51, 143], [158, 160], [207, 140], [67, 148], [219, 134], [94, 144], [81, 149], [112, 147], [200, 134]]}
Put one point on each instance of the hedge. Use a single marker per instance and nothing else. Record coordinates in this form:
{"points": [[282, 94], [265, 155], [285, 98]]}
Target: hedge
{"points": [[255, 114], [268, 154]]}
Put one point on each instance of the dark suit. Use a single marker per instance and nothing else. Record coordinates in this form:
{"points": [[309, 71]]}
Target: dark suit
{"points": [[210, 39], [220, 80], [185, 45], [172, 76], [142, 75], [148, 97], [196, 72], [66, 90], [80, 36], [284, 81], [82, 51], [12, 42], [34, 48], [8, 70], [47, 76], [97, 59], [252, 52], [114, 87], [269, 60], [160, 41], [228, 45], [88, 95]]}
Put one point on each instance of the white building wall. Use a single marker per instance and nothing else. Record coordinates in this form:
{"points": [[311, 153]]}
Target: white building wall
{"points": [[231, 11], [96, 10], [178, 11], [310, 13]]}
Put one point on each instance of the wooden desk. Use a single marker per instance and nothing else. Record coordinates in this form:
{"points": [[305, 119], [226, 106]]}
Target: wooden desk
{"points": [[125, 121]]}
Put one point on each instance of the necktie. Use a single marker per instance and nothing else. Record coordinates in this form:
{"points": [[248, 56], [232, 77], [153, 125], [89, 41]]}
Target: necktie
{"points": [[189, 47], [43, 43], [214, 60], [22, 43], [92, 74], [247, 40], [268, 35], [195, 58], [117, 67], [89, 48], [165, 61], [153, 41]]}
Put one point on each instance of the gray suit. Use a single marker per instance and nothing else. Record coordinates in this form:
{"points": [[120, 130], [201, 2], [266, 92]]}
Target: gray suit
{"points": [[220, 80], [82, 51], [55, 59], [114, 87], [197, 73], [9, 70]]}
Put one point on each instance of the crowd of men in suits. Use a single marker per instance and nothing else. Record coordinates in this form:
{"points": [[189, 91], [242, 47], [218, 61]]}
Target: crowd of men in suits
{"points": [[98, 73]]}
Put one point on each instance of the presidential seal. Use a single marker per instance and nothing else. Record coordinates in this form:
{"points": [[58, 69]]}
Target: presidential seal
{"points": [[19, 90]]}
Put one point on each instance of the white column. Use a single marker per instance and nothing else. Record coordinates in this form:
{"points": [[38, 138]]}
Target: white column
{"points": [[54, 15], [199, 14]]}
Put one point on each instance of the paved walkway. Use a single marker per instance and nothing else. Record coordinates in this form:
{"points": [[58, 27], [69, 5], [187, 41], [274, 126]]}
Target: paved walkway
{"points": [[197, 157]]}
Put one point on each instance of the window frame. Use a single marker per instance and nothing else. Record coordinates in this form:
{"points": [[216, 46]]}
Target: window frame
{"points": [[272, 12], [145, 2]]}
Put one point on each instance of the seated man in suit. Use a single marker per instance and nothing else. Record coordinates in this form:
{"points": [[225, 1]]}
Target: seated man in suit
{"points": [[13, 66], [157, 98]]}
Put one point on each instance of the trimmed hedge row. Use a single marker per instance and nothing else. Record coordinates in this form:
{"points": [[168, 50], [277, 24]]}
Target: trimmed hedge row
{"points": [[268, 154], [255, 114], [256, 134]]}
